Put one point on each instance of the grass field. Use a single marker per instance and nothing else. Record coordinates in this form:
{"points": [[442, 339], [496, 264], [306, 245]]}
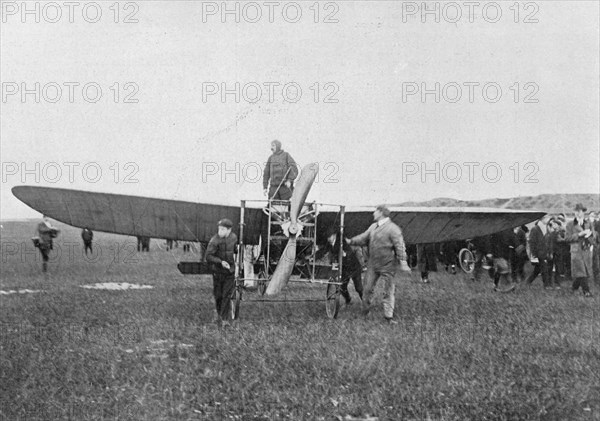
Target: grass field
{"points": [[459, 352]]}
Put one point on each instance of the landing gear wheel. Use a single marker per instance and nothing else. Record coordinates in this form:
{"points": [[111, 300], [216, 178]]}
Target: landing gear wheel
{"points": [[235, 302], [332, 301], [466, 260]]}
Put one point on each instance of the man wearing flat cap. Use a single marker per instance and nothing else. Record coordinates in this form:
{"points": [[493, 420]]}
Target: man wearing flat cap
{"points": [[580, 236], [220, 254], [386, 252]]}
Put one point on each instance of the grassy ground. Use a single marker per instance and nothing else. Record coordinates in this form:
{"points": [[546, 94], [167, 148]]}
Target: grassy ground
{"points": [[460, 351]]}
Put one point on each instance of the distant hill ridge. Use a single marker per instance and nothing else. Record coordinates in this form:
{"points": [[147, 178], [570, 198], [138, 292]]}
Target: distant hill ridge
{"points": [[551, 203]]}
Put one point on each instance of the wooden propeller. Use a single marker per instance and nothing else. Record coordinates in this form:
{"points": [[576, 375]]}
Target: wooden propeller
{"points": [[287, 261]]}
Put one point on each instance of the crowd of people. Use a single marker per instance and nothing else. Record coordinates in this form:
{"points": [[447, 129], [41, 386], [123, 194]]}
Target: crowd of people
{"points": [[558, 250]]}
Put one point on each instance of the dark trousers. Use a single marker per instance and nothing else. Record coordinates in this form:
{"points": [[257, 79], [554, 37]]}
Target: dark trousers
{"points": [[86, 246], [45, 252], [223, 285], [517, 266], [539, 268], [498, 276], [283, 193], [596, 263], [559, 261], [581, 282], [356, 277], [553, 277]]}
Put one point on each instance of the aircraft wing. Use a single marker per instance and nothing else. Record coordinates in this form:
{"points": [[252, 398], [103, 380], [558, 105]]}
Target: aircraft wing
{"points": [[434, 225], [138, 216], [188, 221]]}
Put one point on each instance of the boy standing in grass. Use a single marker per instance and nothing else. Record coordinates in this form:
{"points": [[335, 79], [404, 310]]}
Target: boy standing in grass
{"points": [[220, 254]]}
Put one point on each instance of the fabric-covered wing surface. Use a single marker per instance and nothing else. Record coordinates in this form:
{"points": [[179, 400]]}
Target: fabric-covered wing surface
{"points": [[137, 216], [434, 225]]}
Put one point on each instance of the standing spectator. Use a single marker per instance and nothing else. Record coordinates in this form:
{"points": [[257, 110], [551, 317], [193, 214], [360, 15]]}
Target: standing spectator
{"points": [[552, 244], [519, 255], [426, 260], [538, 251], [580, 236], [500, 253], [44, 241], [449, 252], [481, 246], [87, 235], [386, 251], [595, 222], [221, 255], [564, 248], [560, 249]]}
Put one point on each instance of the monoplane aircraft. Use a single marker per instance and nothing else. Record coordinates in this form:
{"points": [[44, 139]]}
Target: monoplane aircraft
{"points": [[287, 232]]}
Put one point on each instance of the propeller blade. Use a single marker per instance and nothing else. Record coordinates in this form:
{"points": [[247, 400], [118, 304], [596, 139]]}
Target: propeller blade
{"points": [[305, 182], [284, 268]]}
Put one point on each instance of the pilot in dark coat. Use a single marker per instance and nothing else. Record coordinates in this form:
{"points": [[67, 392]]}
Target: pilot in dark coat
{"points": [[279, 174]]}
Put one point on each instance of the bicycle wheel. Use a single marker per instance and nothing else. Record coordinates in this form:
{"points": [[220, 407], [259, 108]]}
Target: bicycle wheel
{"points": [[332, 301], [466, 260]]}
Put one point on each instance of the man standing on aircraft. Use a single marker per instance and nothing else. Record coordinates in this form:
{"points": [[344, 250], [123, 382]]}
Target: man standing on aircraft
{"points": [[220, 254], [44, 241], [279, 174], [386, 251], [87, 235], [580, 235]]}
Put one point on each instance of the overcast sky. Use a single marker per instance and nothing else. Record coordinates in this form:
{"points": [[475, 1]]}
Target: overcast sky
{"points": [[516, 111]]}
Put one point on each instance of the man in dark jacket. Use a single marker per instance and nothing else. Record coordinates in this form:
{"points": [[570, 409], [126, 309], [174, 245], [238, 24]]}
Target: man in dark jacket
{"points": [[87, 235], [449, 253], [279, 174], [538, 250], [562, 255], [501, 244], [220, 253], [519, 254], [553, 240], [351, 267], [426, 260]]}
